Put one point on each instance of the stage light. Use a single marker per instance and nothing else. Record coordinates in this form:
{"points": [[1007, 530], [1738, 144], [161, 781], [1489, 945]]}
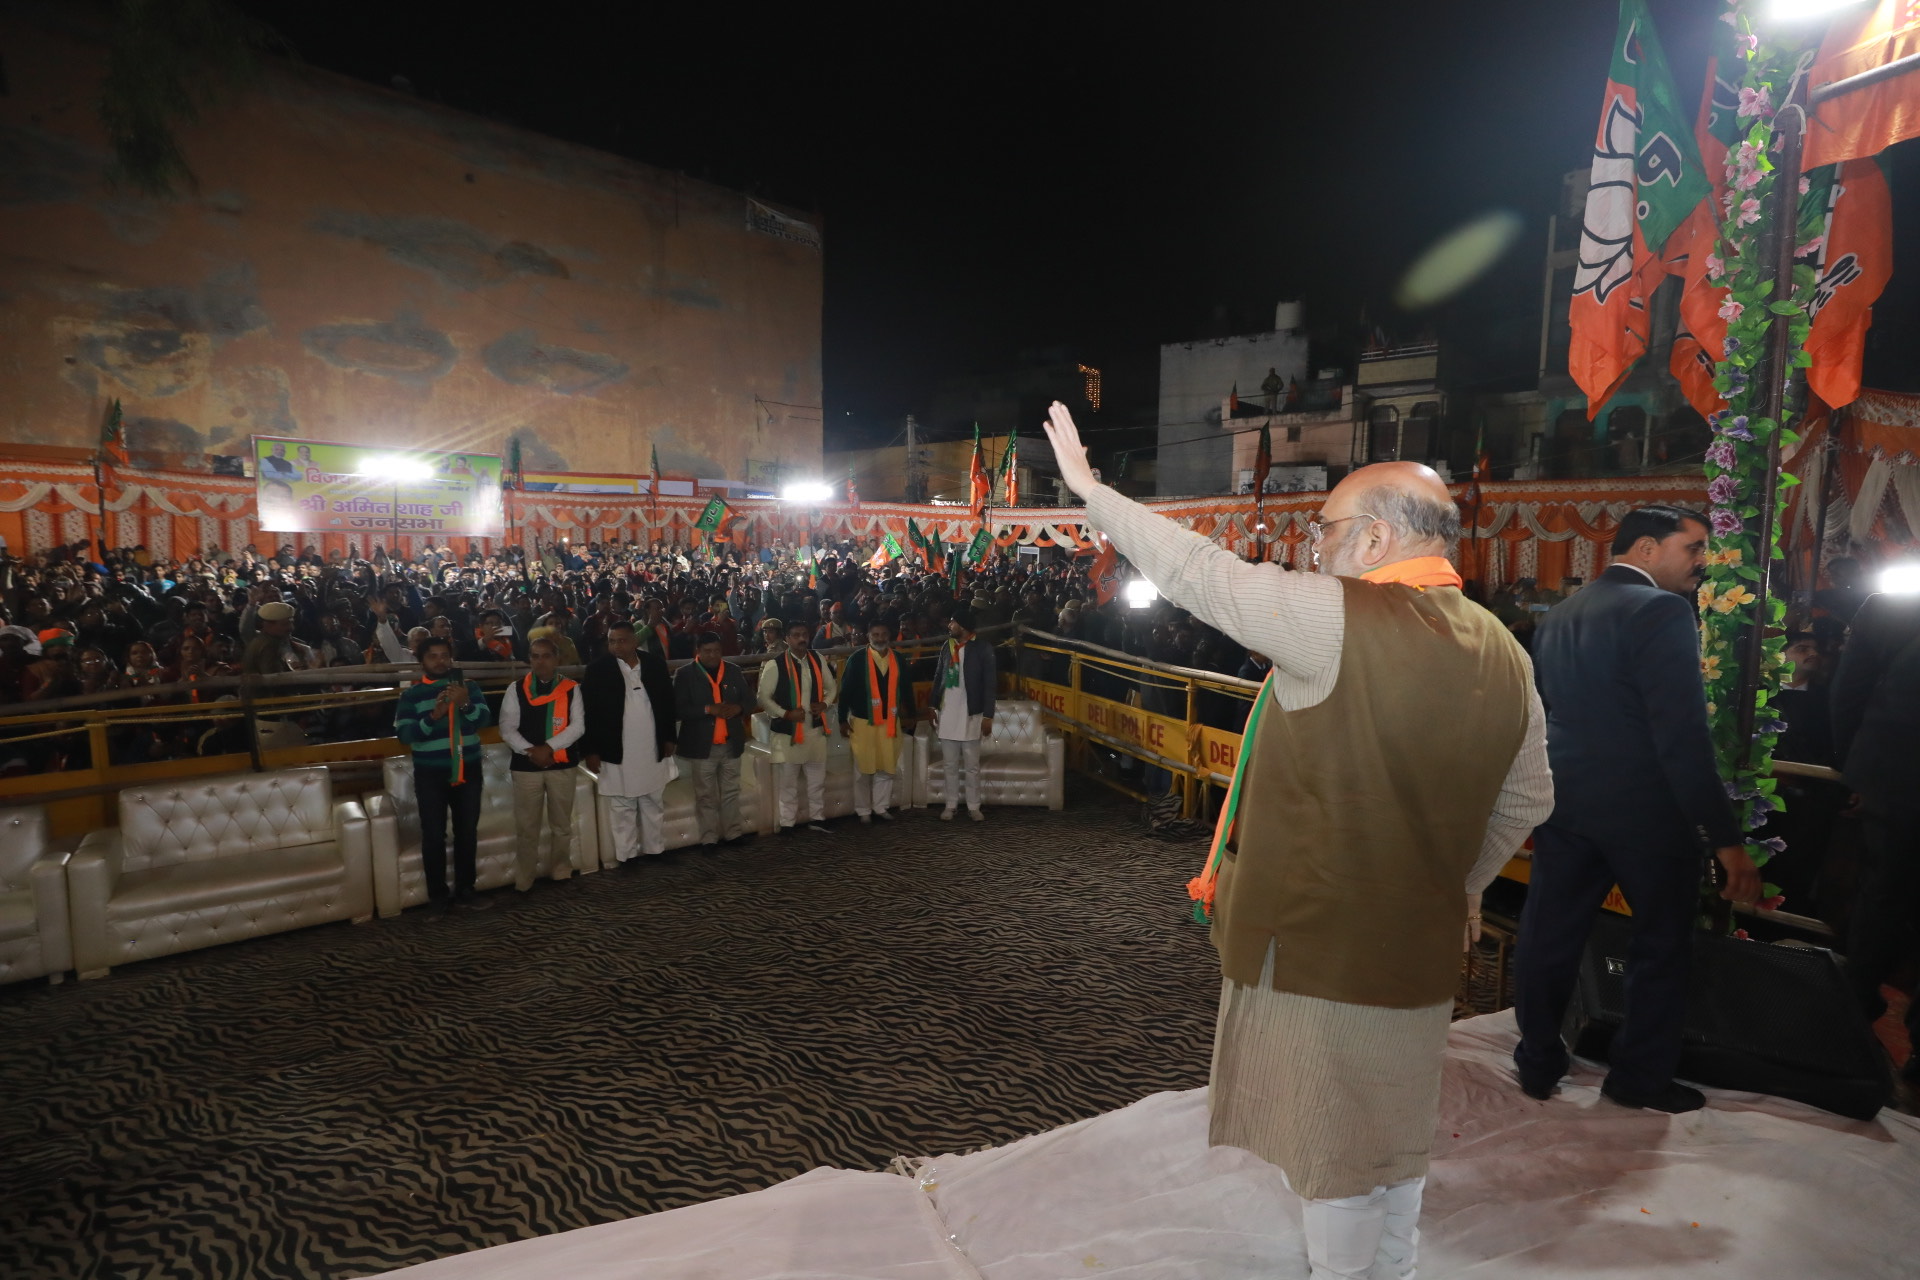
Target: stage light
{"points": [[1141, 593], [807, 491], [1801, 10], [1903, 578], [398, 467]]}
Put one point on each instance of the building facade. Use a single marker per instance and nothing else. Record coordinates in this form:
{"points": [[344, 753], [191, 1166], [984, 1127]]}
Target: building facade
{"points": [[357, 265], [1196, 453]]}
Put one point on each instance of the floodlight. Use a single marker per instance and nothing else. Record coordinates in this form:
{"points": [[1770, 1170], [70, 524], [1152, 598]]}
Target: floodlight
{"points": [[397, 467], [807, 491], [1801, 10], [1903, 578], [1141, 593]]}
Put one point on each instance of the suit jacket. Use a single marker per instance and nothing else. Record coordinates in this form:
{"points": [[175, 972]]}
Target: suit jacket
{"points": [[693, 693], [979, 672], [1618, 667], [604, 692], [1876, 702]]}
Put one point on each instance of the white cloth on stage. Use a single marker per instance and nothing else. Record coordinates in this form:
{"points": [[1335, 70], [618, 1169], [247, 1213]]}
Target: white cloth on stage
{"points": [[955, 724]]}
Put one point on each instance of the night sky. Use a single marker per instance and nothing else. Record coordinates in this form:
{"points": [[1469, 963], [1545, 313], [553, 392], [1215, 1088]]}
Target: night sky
{"points": [[1044, 175]]}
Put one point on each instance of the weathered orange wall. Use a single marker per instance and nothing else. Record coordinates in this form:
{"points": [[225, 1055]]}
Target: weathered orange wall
{"points": [[361, 266]]}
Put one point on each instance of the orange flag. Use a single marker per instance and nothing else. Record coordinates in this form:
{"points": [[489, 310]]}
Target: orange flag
{"points": [[1865, 121], [1106, 573], [1855, 260], [1645, 182]]}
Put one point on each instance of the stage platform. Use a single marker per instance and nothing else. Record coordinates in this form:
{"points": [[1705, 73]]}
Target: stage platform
{"points": [[1751, 1187]]}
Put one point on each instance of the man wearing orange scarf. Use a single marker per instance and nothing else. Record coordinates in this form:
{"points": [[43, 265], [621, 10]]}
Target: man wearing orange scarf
{"points": [[1397, 760], [876, 715]]}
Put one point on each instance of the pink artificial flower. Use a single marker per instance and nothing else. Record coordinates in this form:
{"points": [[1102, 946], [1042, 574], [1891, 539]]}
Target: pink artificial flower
{"points": [[1811, 246], [1716, 269], [1755, 102], [1747, 180], [1749, 212], [1726, 201], [1747, 44], [1806, 185], [1730, 310], [1728, 18]]}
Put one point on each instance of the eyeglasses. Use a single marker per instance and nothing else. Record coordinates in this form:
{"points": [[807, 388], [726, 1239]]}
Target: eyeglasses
{"points": [[1317, 532]]}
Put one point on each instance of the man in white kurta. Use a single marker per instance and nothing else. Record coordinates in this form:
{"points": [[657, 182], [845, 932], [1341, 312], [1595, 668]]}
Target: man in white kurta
{"points": [[796, 691], [633, 787], [1342, 1095]]}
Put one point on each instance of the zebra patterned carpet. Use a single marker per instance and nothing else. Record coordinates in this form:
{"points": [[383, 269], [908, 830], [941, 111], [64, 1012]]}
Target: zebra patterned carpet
{"points": [[347, 1099]]}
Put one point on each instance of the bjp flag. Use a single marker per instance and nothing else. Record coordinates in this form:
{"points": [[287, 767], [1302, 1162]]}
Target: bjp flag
{"points": [[1645, 182], [1864, 121]]}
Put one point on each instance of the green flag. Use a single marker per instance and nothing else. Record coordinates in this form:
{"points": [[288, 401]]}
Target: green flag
{"points": [[977, 549], [894, 549], [918, 541], [953, 570], [711, 518]]}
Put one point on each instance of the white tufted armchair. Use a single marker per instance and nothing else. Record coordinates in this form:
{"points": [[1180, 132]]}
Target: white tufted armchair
{"points": [[1021, 762], [399, 881], [199, 862], [34, 938]]}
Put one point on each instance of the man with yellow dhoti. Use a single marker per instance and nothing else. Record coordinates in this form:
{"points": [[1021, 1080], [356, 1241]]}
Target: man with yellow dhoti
{"points": [[876, 713], [1394, 760]]}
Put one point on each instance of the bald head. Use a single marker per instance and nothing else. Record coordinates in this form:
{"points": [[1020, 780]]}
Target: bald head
{"points": [[1385, 513]]}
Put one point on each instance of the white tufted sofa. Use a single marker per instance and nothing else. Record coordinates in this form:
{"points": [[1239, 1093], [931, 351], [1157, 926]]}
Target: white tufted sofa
{"points": [[34, 937], [399, 880], [199, 862], [758, 760], [1021, 762]]}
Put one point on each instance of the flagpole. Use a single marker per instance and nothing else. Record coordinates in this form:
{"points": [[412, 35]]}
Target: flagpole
{"points": [[1775, 374], [100, 501]]}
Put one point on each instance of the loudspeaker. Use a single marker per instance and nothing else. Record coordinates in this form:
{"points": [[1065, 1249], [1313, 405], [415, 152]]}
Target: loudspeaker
{"points": [[1761, 1018]]}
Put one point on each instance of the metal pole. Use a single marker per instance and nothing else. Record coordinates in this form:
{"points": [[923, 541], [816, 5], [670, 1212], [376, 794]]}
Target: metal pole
{"points": [[1830, 465], [1775, 369], [100, 503]]}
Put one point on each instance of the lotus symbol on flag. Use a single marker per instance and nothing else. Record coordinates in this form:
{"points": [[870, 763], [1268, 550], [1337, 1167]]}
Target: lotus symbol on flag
{"points": [[1606, 236]]}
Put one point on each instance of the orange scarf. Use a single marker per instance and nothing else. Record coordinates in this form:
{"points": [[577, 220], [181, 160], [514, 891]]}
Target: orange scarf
{"points": [[719, 722], [891, 722], [793, 682], [1420, 572], [559, 699]]}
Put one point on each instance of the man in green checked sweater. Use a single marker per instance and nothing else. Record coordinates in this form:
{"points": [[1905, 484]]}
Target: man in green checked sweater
{"points": [[441, 718]]}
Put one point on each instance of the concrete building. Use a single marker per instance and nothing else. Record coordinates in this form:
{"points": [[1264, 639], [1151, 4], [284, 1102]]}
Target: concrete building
{"points": [[1401, 404], [357, 265], [1196, 453], [1544, 433]]}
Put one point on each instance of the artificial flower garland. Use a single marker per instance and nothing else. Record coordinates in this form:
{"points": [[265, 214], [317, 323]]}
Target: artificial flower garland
{"points": [[1737, 461]]}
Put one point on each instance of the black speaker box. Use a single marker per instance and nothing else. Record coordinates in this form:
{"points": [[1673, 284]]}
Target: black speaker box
{"points": [[1761, 1018]]}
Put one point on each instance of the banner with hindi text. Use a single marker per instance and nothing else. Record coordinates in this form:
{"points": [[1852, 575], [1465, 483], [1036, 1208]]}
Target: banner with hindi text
{"points": [[309, 486]]}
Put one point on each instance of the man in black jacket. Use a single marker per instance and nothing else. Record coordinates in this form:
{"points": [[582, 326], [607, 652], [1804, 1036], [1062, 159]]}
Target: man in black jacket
{"points": [[630, 740], [1637, 802], [1876, 734], [712, 698]]}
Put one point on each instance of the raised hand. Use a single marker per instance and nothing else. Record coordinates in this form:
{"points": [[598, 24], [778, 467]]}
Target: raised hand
{"points": [[1068, 452]]}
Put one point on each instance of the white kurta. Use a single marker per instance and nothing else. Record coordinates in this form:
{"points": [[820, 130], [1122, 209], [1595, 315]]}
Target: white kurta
{"points": [[955, 724], [640, 772], [814, 748]]}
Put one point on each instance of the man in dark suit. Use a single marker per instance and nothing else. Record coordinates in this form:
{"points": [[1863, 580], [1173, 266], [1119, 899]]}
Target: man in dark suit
{"points": [[1876, 736], [1637, 802]]}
